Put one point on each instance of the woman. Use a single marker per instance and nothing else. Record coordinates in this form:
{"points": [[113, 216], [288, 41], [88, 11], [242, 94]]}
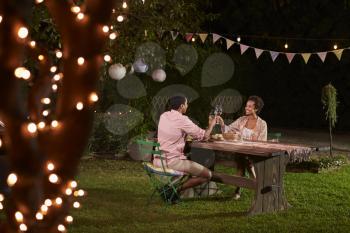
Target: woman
{"points": [[248, 127], [172, 129]]}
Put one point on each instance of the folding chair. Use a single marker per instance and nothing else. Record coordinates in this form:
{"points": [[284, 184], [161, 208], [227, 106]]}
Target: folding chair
{"points": [[164, 180]]}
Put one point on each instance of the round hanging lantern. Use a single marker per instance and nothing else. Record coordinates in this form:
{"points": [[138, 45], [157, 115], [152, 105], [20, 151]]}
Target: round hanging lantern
{"points": [[159, 75], [140, 66], [117, 71]]}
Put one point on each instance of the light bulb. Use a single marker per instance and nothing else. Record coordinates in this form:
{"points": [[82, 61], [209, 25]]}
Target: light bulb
{"points": [[45, 101], [113, 36], [53, 69], [32, 44], [105, 29], [125, 5], [23, 227], [53, 178], [335, 46], [93, 97], [54, 124], [107, 58], [41, 57], [44, 209], [80, 16], [81, 61], [81, 192], [45, 112], [73, 184], [120, 18], [12, 179], [75, 9], [61, 228], [31, 127], [19, 72], [1, 206], [59, 54], [69, 219], [19, 216], [39, 216], [26, 74], [58, 201], [79, 106], [57, 77], [69, 191], [54, 87], [48, 202], [286, 46], [239, 39], [41, 125], [50, 166], [39, 1], [193, 39], [0, 143], [23, 32], [2, 198], [76, 204], [0, 18]]}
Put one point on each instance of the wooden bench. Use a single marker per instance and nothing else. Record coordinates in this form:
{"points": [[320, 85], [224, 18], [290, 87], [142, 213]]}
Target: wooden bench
{"points": [[269, 163]]}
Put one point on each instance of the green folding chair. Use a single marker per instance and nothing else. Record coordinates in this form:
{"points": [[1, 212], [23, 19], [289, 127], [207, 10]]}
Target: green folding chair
{"points": [[165, 181]]}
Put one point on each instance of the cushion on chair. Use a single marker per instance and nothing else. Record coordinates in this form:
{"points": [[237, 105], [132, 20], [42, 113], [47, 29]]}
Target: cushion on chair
{"points": [[160, 171]]}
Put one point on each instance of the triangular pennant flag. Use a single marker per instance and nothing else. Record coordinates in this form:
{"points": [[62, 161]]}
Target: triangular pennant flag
{"points": [[229, 43], [243, 48], [322, 56], [306, 57], [274, 55], [203, 36], [338, 53], [174, 34], [258, 52], [290, 56], [188, 36], [216, 37]]}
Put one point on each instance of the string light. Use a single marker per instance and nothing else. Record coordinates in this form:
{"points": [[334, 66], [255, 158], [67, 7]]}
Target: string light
{"points": [[0, 18], [45, 113], [54, 124], [23, 32], [120, 18], [23, 227], [12, 179], [125, 5], [107, 58], [53, 178], [48, 202], [193, 39], [335, 46], [19, 216], [61, 228], [31, 127], [41, 57], [32, 44], [41, 125], [81, 61], [57, 77], [44, 209], [2, 198], [0, 147], [58, 201], [93, 97], [113, 36], [69, 191], [69, 219], [73, 184], [286, 46], [39, 1], [80, 16], [75, 9], [1, 206], [105, 29], [76, 204], [239, 39], [59, 54], [53, 69], [50, 166], [45, 101], [79, 106], [54, 87], [39, 216]]}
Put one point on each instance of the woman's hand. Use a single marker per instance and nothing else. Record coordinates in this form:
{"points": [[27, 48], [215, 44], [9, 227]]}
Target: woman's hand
{"points": [[220, 121]]}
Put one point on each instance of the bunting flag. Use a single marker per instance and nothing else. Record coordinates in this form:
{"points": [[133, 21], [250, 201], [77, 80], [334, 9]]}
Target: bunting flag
{"points": [[203, 36], [274, 55], [216, 37], [290, 57], [322, 56], [188, 36], [243, 48], [306, 57], [258, 52], [174, 34], [229, 43], [338, 53]]}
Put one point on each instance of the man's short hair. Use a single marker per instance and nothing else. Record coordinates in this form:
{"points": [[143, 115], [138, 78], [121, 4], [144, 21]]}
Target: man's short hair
{"points": [[175, 102]]}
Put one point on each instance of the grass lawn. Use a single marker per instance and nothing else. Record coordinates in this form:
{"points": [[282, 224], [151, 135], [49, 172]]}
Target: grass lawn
{"points": [[118, 192]]}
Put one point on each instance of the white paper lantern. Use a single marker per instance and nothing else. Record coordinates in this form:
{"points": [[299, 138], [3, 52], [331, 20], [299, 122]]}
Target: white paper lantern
{"points": [[117, 71], [159, 75], [140, 66]]}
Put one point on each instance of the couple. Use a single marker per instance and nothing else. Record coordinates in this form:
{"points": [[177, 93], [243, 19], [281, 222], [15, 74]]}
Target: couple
{"points": [[174, 126]]}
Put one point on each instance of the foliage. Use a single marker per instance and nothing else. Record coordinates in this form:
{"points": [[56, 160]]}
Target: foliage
{"points": [[329, 101]]}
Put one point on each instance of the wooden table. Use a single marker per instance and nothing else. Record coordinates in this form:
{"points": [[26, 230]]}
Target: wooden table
{"points": [[269, 163]]}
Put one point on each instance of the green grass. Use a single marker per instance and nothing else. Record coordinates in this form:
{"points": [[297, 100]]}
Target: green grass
{"points": [[118, 192]]}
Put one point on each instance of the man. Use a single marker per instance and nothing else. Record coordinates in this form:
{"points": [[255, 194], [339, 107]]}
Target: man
{"points": [[173, 127]]}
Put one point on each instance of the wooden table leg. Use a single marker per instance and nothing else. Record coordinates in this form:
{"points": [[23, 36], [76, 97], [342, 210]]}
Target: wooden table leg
{"points": [[269, 193]]}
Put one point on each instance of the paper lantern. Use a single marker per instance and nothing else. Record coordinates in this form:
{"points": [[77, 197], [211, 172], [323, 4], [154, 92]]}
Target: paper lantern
{"points": [[159, 75], [140, 66], [117, 71]]}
